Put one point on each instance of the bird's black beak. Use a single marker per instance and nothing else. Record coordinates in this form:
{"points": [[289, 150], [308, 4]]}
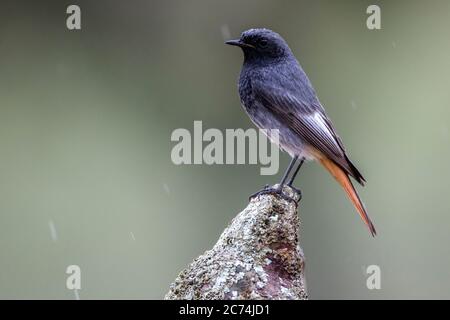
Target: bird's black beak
{"points": [[239, 43]]}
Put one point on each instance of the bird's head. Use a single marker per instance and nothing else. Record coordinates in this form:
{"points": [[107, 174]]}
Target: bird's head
{"points": [[261, 44]]}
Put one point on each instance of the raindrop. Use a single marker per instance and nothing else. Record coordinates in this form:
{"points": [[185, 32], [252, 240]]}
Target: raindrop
{"points": [[354, 105], [132, 236], [166, 188], [53, 233], [77, 295], [225, 30]]}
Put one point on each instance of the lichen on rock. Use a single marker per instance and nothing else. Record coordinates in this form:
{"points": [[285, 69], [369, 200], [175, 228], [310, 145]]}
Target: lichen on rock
{"points": [[258, 256]]}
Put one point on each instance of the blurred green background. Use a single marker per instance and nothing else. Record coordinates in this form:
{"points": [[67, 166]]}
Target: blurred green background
{"points": [[86, 117]]}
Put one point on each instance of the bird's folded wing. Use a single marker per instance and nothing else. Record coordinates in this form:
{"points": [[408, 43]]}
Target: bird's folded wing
{"points": [[310, 122]]}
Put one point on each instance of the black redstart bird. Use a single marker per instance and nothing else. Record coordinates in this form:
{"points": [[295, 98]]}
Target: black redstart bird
{"points": [[277, 94]]}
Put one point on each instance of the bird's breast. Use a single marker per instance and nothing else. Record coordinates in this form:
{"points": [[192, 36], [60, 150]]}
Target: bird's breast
{"points": [[246, 92], [277, 130]]}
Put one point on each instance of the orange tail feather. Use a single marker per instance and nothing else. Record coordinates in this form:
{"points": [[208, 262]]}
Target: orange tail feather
{"points": [[345, 182]]}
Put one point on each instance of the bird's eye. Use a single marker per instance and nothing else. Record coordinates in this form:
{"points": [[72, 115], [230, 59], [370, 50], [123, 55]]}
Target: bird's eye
{"points": [[263, 43]]}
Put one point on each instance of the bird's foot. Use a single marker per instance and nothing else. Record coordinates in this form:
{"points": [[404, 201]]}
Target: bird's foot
{"points": [[297, 191], [275, 191], [263, 191]]}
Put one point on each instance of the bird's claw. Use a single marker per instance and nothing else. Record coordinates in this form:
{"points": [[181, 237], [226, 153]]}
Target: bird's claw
{"points": [[254, 195], [298, 191], [274, 191]]}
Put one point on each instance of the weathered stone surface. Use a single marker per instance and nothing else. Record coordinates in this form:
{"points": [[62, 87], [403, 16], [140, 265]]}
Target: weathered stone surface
{"points": [[258, 256]]}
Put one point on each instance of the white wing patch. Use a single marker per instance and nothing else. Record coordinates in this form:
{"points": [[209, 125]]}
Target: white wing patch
{"points": [[320, 121]]}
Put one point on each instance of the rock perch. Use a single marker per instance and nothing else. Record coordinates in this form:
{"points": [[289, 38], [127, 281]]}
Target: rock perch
{"points": [[258, 256]]}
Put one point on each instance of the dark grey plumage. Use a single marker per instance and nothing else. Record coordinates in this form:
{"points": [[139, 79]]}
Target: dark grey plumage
{"points": [[277, 94]]}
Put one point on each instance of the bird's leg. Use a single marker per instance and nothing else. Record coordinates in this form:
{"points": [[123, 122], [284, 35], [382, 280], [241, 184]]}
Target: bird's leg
{"points": [[286, 173], [278, 190], [296, 172], [291, 181]]}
